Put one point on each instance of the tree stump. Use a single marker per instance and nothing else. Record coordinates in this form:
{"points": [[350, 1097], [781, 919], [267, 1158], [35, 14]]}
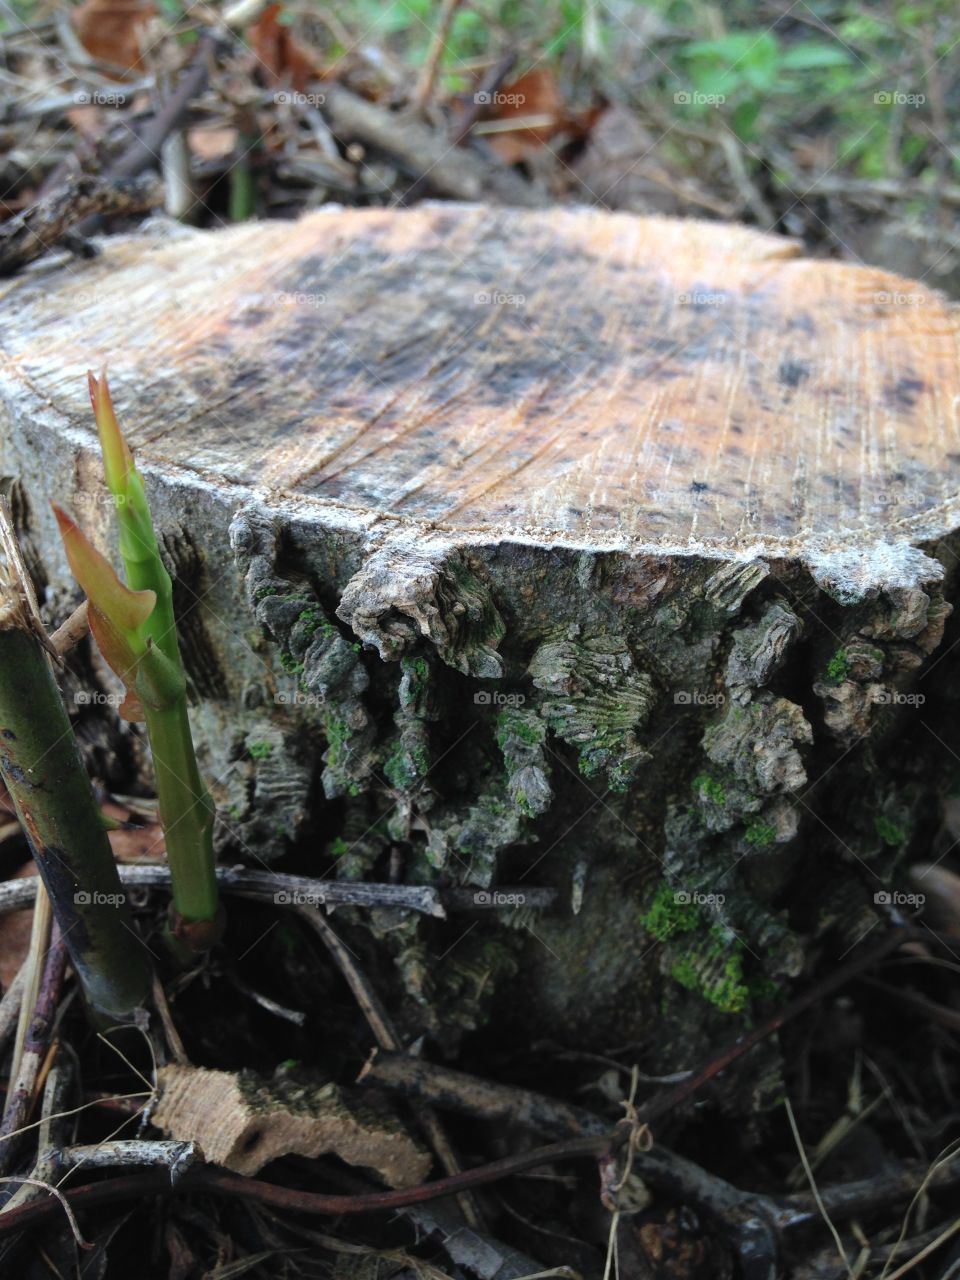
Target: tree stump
{"points": [[555, 547]]}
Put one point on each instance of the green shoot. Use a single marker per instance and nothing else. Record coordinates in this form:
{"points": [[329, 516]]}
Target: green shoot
{"points": [[135, 629]]}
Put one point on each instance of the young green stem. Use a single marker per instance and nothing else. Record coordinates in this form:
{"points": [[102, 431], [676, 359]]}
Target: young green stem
{"points": [[186, 815], [43, 770], [186, 810]]}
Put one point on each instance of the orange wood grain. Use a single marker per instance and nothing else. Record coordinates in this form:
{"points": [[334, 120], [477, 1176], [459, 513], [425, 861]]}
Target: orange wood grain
{"points": [[628, 380]]}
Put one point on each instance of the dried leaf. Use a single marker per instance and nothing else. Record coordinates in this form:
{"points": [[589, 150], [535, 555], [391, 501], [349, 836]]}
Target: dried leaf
{"points": [[212, 144], [15, 929], [281, 56], [534, 97], [112, 30]]}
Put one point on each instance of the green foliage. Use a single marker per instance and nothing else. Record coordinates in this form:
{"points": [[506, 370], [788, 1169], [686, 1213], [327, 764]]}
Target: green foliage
{"points": [[312, 618], [760, 834], [838, 667], [729, 993], [338, 734], [400, 769], [259, 750], [724, 987], [550, 27], [888, 831], [666, 916], [748, 72], [513, 724], [711, 788]]}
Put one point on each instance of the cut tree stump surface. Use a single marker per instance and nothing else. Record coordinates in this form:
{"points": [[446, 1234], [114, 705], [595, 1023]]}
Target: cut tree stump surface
{"points": [[563, 548], [579, 377]]}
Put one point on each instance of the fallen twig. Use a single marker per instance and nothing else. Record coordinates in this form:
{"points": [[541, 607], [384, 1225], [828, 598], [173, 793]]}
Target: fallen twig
{"points": [[295, 891], [488, 87], [452, 1090], [144, 151], [749, 1219], [386, 1036], [844, 1199], [428, 73], [428, 154], [72, 631], [10, 1004], [20, 1095], [238, 1187], [31, 234]]}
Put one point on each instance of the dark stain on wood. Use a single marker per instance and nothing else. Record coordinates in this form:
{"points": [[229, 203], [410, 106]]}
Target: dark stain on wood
{"points": [[792, 372], [905, 392]]}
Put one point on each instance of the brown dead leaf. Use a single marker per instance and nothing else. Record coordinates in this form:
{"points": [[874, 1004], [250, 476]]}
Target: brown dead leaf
{"points": [[212, 144], [112, 30], [283, 58], [15, 929], [535, 104]]}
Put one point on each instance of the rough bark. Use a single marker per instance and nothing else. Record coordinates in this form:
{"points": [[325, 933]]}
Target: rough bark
{"points": [[566, 548]]}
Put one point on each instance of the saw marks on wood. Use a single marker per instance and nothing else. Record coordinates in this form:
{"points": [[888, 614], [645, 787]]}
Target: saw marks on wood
{"points": [[567, 375]]}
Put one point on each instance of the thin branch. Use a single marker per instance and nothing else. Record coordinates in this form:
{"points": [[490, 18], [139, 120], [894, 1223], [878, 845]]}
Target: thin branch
{"points": [[20, 1094], [428, 75], [381, 1024], [815, 1191], [71, 632], [296, 891], [237, 1187]]}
